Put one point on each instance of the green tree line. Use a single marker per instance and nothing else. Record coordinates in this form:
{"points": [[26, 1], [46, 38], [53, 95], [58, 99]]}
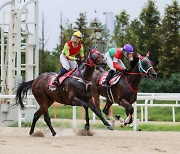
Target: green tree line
{"points": [[148, 32]]}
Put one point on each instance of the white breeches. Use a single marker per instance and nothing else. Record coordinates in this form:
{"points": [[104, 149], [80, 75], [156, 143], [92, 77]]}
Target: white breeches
{"points": [[110, 61], [67, 64]]}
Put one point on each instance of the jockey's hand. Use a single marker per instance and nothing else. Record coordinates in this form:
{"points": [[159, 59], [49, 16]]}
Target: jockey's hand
{"points": [[78, 60], [124, 71]]}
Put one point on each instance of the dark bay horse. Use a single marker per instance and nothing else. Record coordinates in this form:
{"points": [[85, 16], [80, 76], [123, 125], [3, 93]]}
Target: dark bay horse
{"points": [[75, 90], [124, 92]]}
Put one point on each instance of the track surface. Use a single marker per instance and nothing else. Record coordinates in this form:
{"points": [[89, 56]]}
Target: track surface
{"points": [[18, 141]]}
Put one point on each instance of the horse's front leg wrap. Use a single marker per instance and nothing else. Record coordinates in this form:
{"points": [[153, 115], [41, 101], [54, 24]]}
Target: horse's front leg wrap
{"points": [[121, 120], [129, 111], [127, 120], [112, 120]]}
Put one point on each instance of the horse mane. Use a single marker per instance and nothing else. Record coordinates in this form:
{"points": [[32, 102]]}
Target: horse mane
{"points": [[133, 62]]}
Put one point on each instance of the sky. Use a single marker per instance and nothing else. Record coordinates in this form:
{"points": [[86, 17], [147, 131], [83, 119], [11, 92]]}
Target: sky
{"points": [[70, 10]]}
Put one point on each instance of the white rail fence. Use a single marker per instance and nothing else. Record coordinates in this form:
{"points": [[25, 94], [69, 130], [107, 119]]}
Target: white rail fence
{"points": [[148, 102]]}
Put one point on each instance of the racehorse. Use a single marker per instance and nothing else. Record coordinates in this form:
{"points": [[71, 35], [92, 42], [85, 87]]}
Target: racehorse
{"points": [[124, 91], [75, 90]]}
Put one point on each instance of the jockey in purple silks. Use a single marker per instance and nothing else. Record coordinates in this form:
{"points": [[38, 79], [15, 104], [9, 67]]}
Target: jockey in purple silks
{"points": [[114, 60], [67, 57]]}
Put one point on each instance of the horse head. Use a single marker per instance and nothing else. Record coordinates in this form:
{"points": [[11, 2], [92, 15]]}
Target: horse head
{"points": [[94, 58], [146, 67]]}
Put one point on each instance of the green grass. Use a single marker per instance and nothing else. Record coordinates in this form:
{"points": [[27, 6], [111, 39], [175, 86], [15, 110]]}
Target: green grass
{"points": [[154, 113], [162, 114], [142, 127], [151, 127]]}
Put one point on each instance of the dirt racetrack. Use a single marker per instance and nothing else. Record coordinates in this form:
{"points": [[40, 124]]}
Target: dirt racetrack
{"points": [[18, 141]]}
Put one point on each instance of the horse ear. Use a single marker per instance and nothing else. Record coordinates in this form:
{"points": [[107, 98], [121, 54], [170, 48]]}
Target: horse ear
{"points": [[139, 56], [147, 55]]}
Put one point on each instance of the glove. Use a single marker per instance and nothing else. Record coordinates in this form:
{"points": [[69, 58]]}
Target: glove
{"points": [[124, 71], [78, 60]]}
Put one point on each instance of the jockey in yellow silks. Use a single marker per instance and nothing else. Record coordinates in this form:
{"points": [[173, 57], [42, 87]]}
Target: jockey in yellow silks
{"points": [[67, 57]]}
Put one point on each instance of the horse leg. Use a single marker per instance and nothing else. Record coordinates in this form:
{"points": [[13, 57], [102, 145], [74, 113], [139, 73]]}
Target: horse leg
{"points": [[47, 119], [79, 102], [93, 107], [44, 103], [37, 115], [86, 126], [96, 99], [129, 111], [106, 111]]}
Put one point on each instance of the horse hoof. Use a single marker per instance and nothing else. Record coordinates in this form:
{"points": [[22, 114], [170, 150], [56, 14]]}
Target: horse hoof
{"points": [[122, 125], [87, 128], [54, 134], [110, 128]]}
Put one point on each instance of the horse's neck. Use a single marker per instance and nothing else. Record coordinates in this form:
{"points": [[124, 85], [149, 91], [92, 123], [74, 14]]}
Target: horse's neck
{"points": [[135, 80], [86, 72]]}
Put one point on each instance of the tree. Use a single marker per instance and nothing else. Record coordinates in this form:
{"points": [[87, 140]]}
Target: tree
{"points": [[82, 26], [170, 41], [132, 35], [122, 23], [148, 39]]}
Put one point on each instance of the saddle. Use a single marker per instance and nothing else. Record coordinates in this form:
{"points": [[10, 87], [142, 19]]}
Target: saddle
{"points": [[113, 80], [61, 79]]}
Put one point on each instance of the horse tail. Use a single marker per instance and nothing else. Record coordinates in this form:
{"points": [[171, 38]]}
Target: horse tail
{"points": [[21, 92]]}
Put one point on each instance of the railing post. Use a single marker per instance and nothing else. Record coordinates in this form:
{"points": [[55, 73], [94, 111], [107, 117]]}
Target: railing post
{"points": [[82, 113], [142, 113], [146, 111], [19, 116], [135, 124], [173, 113]]}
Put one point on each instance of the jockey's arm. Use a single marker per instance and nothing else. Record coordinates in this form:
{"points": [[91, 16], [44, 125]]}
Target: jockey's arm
{"points": [[115, 64], [81, 52], [67, 53]]}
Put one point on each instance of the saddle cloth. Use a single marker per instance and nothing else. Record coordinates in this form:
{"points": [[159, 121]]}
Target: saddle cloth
{"points": [[113, 80], [61, 79]]}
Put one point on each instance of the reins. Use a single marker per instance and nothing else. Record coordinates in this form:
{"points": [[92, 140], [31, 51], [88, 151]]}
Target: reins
{"points": [[130, 87]]}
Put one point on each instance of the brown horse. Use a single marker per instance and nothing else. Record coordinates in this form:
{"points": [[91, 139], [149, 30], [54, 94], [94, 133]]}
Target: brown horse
{"points": [[75, 90], [124, 92]]}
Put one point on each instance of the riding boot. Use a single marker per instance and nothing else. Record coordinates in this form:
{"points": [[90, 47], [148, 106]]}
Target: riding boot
{"points": [[109, 76], [62, 72]]}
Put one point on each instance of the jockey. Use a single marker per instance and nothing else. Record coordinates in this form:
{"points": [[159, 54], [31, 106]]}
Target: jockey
{"points": [[114, 60], [67, 57]]}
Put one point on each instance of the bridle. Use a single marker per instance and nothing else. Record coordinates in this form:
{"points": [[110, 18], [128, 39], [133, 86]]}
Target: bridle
{"points": [[90, 61], [142, 71]]}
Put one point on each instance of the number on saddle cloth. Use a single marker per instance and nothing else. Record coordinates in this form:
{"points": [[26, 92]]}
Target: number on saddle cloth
{"points": [[61, 79]]}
